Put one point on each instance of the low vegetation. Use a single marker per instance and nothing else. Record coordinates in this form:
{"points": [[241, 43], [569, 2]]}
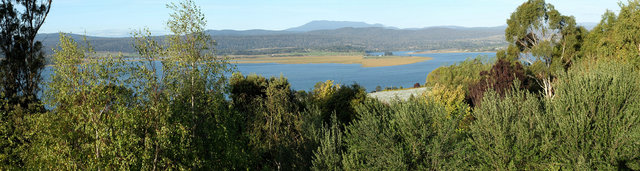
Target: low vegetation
{"points": [[176, 109]]}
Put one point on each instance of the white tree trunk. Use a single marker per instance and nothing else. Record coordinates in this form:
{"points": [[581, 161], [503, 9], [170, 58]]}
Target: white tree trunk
{"points": [[547, 87]]}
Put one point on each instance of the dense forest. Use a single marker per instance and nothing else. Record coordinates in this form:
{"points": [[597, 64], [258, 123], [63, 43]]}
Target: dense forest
{"points": [[558, 98]]}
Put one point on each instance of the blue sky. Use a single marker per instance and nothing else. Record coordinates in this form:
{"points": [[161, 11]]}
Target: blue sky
{"points": [[119, 17]]}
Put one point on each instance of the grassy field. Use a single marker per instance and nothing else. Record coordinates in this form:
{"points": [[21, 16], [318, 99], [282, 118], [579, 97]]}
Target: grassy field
{"points": [[330, 57]]}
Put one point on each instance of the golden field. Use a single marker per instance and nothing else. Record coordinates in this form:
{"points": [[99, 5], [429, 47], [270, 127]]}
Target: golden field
{"points": [[339, 59]]}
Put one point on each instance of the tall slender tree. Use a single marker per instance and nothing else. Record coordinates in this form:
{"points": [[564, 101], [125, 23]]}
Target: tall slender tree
{"points": [[21, 62], [22, 58], [184, 83]]}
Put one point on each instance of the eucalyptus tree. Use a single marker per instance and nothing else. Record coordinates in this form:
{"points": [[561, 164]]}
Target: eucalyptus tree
{"points": [[543, 38], [21, 58], [21, 62]]}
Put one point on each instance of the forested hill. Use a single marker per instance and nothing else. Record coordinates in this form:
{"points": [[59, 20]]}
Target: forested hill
{"points": [[342, 39]]}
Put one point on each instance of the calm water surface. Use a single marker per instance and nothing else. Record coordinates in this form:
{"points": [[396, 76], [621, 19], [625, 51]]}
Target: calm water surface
{"points": [[305, 76]]}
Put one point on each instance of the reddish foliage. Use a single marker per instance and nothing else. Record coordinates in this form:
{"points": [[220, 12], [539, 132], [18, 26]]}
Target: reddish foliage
{"points": [[500, 78]]}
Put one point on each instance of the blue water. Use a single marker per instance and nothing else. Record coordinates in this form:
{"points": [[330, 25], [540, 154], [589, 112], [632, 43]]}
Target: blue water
{"points": [[305, 76]]}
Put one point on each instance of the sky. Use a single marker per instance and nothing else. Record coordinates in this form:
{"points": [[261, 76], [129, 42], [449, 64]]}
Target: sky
{"points": [[117, 18]]}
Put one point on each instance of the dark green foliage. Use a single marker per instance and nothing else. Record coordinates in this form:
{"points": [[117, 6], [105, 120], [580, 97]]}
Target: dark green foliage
{"points": [[508, 132], [274, 122], [328, 155], [244, 89], [22, 58], [409, 135], [598, 42], [14, 136], [371, 142], [340, 102], [591, 123], [597, 107], [21, 63]]}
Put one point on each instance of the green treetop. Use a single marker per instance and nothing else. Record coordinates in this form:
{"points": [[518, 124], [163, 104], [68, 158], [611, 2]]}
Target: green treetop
{"points": [[540, 36]]}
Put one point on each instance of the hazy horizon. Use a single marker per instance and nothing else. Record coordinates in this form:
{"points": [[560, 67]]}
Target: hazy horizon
{"points": [[118, 18]]}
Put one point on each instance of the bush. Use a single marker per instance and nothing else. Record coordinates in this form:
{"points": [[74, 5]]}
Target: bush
{"points": [[499, 79], [451, 98], [332, 98], [370, 142], [614, 38], [508, 133], [275, 121], [595, 117], [462, 74], [591, 123], [406, 136], [328, 155]]}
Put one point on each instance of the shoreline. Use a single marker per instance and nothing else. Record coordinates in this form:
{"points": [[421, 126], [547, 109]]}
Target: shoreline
{"points": [[447, 51], [364, 61]]}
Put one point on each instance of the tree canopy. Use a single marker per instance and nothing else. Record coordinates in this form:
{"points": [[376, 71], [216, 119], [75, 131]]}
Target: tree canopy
{"points": [[616, 37], [543, 38]]}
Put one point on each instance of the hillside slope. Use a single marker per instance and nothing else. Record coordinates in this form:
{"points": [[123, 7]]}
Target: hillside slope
{"points": [[344, 39]]}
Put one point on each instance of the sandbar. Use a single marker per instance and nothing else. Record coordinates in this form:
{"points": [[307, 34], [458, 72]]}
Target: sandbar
{"points": [[445, 51], [364, 61]]}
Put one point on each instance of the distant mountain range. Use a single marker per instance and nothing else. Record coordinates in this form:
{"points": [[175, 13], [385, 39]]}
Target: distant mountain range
{"points": [[325, 35], [331, 25], [328, 35], [311, 26]]}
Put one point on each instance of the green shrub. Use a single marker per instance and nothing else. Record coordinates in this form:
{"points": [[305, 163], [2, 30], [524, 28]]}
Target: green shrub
{"points": [[615, 37], [328, 155], [463, 74], [508, 132], [595, 117], [409, 135], [334, 98], [370, 141], [453, 100], [281, 132], [591, 123]]}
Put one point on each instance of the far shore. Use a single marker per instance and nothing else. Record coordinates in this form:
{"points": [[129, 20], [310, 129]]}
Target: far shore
{"points": [[447, 51], [364, 61]]}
